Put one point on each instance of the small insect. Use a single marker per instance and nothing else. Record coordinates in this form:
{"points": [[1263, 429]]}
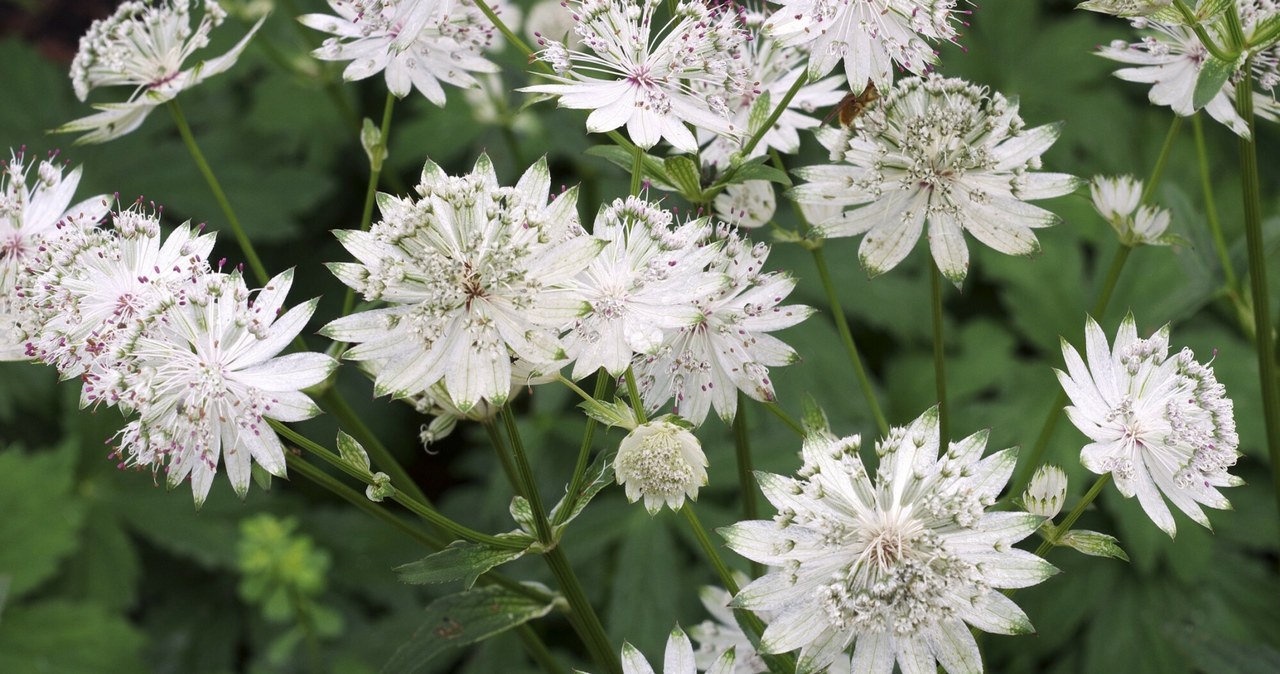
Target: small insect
{"points": [[854, 104]]}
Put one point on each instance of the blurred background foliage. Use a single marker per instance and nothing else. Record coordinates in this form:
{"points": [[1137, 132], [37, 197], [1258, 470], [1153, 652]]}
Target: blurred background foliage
{"points": [[104, 571]]}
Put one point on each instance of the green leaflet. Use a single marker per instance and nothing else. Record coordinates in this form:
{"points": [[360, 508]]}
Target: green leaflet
{"points": [[460, 561]]}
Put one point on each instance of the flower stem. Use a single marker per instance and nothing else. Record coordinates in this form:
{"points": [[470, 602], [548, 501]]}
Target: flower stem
{"points": [[1211, 208], [637, 167], [1074, 515], [584, 451], [939, 357], [246, 247], [846, 337], [382, 457], [371, 191], [746, 478], [633, 392], [538, 650], [502, 28], [500, 448], [300, 466], [778, 109], [524, 473], [786, 418], [1194, 22], [1258, 276]]}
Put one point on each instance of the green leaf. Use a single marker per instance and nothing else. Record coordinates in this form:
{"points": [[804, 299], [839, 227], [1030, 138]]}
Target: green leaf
{"points": [[616, 413], [352, 452], [1213, 75], [684, 172], [760, 111], [757, 169], [602, 469], [39, 516], [650, 167], [522, 513], [638, 612], [1093, 544], [69, 638], [461, 619], [813, 418], [106, 568], [1265, 33], [460, 561], [260, 476]]}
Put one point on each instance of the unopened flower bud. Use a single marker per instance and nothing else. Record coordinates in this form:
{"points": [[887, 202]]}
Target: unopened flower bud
{"points": [[663, 462], [1046, 493]]}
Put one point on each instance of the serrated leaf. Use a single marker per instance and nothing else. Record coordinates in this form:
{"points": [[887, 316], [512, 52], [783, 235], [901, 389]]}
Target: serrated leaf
{"points": [[522, 513], [616, 413], [1210, 9], [461, 619], [650, 167], [756, 169], [684, 173], [68, 638], [1213, 75], [39, 516], [1093, 544], [352, 452], [602, 470], [759, 114], [460, 561]]}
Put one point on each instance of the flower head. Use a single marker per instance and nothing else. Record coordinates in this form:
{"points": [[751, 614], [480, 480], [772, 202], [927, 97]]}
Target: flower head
{"points": [[1046, 493], [899, 566], [870, 36], [943, 152], [144, 45], [653, 82], [1159, 425], [662, 462], [206, 377], [678, 658], [749, 204], [1171, 56], [34, 207], [640, 287], [417, 43], [474, 274], [723, 633], [729, 348], [1117, 199]]}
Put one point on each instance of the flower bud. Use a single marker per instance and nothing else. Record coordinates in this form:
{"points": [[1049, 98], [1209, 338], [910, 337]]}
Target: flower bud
{"points": [[1046, 493], [661, 461]]}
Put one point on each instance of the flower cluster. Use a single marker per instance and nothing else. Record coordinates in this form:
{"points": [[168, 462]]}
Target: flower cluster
{"points": [[899, 566], [677, 659], [662, 462], [651, 82], [150, 327], [1117, 201], [418, 44], [939, 151], [1160, 425], [143, 45], [1170, 58], [34, 208]]}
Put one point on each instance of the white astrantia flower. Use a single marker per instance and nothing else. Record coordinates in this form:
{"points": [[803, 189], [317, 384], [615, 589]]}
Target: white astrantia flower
{"points": [[435, 402], [677, 659], [653, 80], [899, 566], [640, 287], [723, 633], [206, 377], [1159, 425], [417, 44], [938, 152], [474, 274], [749, 204], [729, 349], [143, 45], [1117, 199], [1046, 493], [95, 290], [34, 208], [661, 462], [872, 37], [1170, 57]]}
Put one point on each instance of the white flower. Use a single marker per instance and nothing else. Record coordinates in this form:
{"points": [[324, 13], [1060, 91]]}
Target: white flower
{"points": [[95, 289], [1047, 492], [749, 204], [641, 286], [33, 209], [644, 79], [1170, 59], [143, 45], [1117, 199], [728, 350], [206, 378], [717, 636], [900, 566], [417, 43], [662, 462], [678, 658], [942, 152], [474, 274], [1158, 424], [871, 36]]}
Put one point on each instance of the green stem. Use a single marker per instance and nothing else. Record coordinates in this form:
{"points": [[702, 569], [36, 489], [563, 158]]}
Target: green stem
{"points": [[846, 337], [1074, 515], [939, 358], [746, 477], [371, 191], [378, 452], [754, 627], [778, 109], [500, 447], [1258, 278], [584, 450], [786, 418], [1194, 22], [502, 28], [1162, 160], [299, 465], [1211, 207], [538, 650], [637, 167], [524, 472], [246, 247], [633, 392], [413, 505]]}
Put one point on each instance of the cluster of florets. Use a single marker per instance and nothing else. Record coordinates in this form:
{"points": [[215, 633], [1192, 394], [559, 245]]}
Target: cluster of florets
{"points": [[1118, 201], [150, 327]]}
